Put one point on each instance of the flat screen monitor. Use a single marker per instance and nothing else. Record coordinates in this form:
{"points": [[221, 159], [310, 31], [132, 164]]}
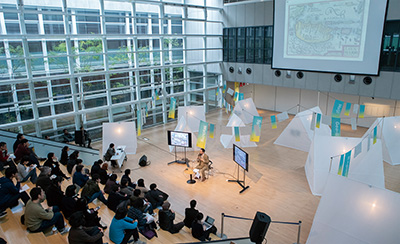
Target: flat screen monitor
{"points": [[241, 157], [179, 139]]}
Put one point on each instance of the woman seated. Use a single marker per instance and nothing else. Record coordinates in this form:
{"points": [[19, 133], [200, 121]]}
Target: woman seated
{"points": [[80, 233], [26, 172], [54, 194], [111, 182], [103, 173], [54, 165], [64, 156], [122, 228], [68, 204], [91, 215]]}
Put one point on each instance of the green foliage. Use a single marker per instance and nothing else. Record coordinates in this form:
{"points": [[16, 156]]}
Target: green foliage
{"points": [[15, 52]]}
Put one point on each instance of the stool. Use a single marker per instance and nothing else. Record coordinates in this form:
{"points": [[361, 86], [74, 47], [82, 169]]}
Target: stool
{"points": [[190, 172]]}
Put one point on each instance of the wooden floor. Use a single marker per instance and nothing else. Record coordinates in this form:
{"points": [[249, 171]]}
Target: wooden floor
{"points": [[278, 185]]}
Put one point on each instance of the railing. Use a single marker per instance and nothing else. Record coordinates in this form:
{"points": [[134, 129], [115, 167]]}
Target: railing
{"points": [[272, 222]]}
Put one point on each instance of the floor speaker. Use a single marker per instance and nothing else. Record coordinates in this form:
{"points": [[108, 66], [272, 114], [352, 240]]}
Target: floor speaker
{"points": [[259, 227]]}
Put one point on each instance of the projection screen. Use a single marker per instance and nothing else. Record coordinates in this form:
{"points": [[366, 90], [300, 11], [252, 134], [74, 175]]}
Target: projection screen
{"points": [[342, 36]]}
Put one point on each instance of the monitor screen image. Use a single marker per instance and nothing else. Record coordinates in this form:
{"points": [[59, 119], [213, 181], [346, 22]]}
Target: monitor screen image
{"points": [[241, 157], [179, 139]]}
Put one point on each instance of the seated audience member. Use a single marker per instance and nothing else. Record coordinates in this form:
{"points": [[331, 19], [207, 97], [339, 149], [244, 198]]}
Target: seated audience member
{"points": [[116, 199], [190, 214], [43, 181], [122, 228], [9, 192], [67, 137], [91, 190], [72, 161], [80, 178], [37, 218], [125, 189], [155, 196], [77, 162], [128, 178], [85, 137], [54, 165], [141, 187], [68, 203], [136, 212], [54, 194], [104, 175], [91, 215], [24, 150], [5, 157], [64, 156], [198, 231], [96, 167], [111, 152], [166, 219], [111, 182], [20, 137], [79, 234], [26, 172], [147, 207]]}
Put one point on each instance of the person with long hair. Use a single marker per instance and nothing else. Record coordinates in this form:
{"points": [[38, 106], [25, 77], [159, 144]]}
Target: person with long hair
{"points": [[68, 203], [122, 228], [54, 194], [72, 161], [64, 156], [91, 215], [54, 165]]}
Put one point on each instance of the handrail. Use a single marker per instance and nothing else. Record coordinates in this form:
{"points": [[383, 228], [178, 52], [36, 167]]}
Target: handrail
{"points": [[275, 222]]}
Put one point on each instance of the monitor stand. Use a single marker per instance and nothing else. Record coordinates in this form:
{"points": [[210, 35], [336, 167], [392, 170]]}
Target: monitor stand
{"points": [[184, 161]]}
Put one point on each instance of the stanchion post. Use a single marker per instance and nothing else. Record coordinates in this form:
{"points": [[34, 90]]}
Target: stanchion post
{"points": [[298, 234], [222, 227]]}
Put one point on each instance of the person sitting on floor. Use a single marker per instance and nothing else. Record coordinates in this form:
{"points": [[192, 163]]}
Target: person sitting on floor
{"points": [[127, 177], [79, 177], [125, 189], [91, 215], [54, 194], [104, 175], [68, 203], [72, 161], [190, 214], [64, 156], [54, 165], [9, 192], [20, 137], [24, 150], [77, 162], [116, 199], [91, 190], [143, 189], [67, 137], [26, 172], [5, 159], [96, 167], [111, 182], [80, 234], [166, 219], [43, 181], [37, 218], [122, 228], [136, 212], [155, 196], [147, 207], [198, 230]]}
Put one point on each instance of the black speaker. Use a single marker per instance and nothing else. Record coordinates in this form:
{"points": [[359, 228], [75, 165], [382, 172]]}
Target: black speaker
{"points": [[143, 161], [259, 227], [79, 137]]}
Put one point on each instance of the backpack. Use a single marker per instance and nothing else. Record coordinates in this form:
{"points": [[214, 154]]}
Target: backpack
{"points": [[148, 232]]}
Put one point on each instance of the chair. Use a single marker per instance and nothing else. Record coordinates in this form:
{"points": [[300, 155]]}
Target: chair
{"points": [[210, 169]]}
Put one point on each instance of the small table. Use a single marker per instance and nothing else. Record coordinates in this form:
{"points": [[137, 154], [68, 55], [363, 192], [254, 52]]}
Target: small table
{"points": [[190, 172], [120, 155]]}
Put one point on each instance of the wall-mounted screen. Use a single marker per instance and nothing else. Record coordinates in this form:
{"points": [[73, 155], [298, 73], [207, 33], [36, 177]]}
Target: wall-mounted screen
{"points": [[179, 139], [342, 36], [241, 157]]}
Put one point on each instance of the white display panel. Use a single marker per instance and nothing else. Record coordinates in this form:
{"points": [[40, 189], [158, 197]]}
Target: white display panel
{"points": [[121, 134], [341, 36]]}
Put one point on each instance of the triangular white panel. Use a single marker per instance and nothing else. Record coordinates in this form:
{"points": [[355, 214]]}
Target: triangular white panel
{"points": [[235, 121], [193, 115], [182, 126], [246, 110]]}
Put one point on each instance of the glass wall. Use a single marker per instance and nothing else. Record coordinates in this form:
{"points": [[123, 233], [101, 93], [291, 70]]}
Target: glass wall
{"points": [[69, 63]]}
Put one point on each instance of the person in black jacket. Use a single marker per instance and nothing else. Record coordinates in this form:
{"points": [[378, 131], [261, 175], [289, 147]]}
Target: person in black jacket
{"points": [[96, 167], [116, 199], [54, 165], [155, 196], [104, 176], [68, 203], [54, 194], [43, 181], [198, 231], [72, 161], [190, 214], [91, 215], [81, 234], [126, 176], [9, 192], [166, 219], [64, 156], [20, 137]]}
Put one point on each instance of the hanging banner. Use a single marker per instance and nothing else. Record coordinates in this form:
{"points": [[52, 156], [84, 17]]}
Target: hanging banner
{"points": [[357, 149], [157, 96], [224, 89], [147, 112], [139, 121], [273, 122], [347, 110], [337, 109], [318, 123], [256, 129], [237, 134], [282, 116], [312, 125], [335, 126], [340, 170], [211, 133], [237, 85], [202, 136], [172, 105], [353, 122], [375, 134], [362, 110], [346, 164], [355, 108], [235, 98], [241, 96]]}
